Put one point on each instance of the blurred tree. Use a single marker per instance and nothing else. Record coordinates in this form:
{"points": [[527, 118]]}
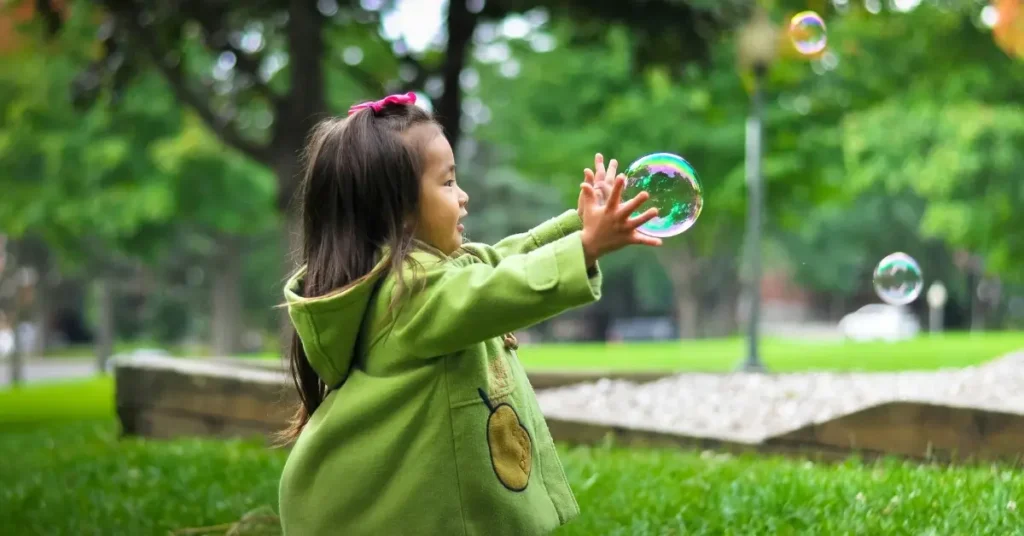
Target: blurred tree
{"points": [[893, 58], [964, 159], [224, 203], [69, 178], [127, 177], [879, 56], [566, 102], [259, 74], [551, 98]]}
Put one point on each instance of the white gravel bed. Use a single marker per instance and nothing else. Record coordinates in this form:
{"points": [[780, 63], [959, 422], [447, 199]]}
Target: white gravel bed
{"points": [[752, 407]]}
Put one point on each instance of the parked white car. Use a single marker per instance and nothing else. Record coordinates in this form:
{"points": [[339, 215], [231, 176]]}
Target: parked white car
{"points": [[879, 321]]}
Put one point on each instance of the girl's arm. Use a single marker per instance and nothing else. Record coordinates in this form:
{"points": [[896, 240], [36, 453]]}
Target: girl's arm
{"points": [[462, 301], [553, 229]]}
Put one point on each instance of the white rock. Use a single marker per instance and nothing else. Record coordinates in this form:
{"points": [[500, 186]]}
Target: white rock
{"points": [[752, 407]]}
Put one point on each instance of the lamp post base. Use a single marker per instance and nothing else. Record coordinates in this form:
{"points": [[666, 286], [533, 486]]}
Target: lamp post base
{"points": [[752, 365]]}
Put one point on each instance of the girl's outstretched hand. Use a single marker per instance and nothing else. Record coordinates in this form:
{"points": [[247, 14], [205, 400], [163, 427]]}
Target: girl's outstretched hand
{"points": [[600, 179], [608, 227]]}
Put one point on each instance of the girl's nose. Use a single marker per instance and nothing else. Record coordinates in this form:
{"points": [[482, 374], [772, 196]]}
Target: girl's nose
{"points": [[463, 198]]}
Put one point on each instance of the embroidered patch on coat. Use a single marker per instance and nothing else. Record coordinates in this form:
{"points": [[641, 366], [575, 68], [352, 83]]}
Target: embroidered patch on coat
{"points": [[499, 375], [510, 445]]}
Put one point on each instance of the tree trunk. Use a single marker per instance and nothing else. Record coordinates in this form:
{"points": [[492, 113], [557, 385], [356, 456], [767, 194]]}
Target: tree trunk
{"points": [[682, 270], [17, 356], [44, 310], [720, 284], [105, 320], [286, 167], [721, 320], [8, 265], [305, 104], [227, 298], [461, 25]]}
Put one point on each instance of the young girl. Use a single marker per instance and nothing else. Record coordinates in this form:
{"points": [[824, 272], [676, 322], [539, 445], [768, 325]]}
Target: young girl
{"points": [[416, 416]]}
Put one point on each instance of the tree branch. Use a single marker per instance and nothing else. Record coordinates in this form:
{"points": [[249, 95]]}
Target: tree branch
{"points": [[50, 15], [212, 21], [179, 85], [369, 82]]}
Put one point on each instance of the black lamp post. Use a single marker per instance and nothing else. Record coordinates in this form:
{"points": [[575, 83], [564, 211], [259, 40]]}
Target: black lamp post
{"points": [[758, 41]]}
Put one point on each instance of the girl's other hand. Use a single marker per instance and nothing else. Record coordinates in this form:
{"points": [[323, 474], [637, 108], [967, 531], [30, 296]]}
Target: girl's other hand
{"points": [[608, 227], [599, 179]]}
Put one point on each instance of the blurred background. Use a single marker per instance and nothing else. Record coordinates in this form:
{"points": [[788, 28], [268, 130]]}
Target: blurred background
{"points": [[148, 155]]}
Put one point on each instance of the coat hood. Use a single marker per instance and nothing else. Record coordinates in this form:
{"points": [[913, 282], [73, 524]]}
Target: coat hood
{"points": [[329, 325]]}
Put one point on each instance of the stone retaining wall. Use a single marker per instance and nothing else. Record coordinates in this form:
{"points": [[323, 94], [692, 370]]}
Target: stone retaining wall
{"points": [[167, 397], [164, 397]]}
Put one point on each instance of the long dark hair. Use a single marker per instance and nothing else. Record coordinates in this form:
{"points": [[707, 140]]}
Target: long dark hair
{"points": [[359, 193]]}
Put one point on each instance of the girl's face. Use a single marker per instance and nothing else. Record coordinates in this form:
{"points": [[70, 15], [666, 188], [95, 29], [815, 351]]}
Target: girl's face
{"points": [[442, 202]]}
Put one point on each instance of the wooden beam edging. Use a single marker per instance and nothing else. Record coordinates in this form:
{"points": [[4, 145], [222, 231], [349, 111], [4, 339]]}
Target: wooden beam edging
{"points": [[919, 430], [589, 433]]}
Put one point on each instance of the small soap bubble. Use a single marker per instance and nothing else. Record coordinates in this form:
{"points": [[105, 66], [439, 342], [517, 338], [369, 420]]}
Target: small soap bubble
{"points": [[675, 191], [807, 31], [898, 279]]}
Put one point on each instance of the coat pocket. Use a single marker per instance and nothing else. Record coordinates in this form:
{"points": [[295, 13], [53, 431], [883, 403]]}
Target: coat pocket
{"points": [[499, 480]]}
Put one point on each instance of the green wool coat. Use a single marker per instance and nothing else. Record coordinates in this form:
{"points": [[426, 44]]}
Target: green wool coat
{"points": [[431, 425]]}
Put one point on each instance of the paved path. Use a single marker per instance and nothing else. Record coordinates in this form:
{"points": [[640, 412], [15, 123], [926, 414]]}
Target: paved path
{"points": [[50, 369]]}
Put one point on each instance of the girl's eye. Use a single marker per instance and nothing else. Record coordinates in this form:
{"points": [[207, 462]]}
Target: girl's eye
{"points": [[450, 182]]}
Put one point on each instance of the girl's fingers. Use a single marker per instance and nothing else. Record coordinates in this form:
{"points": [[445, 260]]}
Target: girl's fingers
{"points": [[616, 196], [612, 168], [647, 216], [599, 166], [632, 205], [587, 192], [644, 240], [588, 176]]}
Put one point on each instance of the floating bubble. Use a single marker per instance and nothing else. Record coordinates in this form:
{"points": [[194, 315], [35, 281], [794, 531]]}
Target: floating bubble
{"points": [[675, 191], [898, 279], [1006, 18], [807, 31]]}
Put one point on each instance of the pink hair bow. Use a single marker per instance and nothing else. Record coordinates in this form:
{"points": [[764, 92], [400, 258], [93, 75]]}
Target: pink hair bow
{"points": [[408, 98]]}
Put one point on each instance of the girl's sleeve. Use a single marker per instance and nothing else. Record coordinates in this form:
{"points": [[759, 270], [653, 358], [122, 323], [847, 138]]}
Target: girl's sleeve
{"points": [[464, 301], [553, 229]]}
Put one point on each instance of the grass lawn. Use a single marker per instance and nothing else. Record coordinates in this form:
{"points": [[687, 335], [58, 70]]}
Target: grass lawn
{"points": [[780, 355], [57, 402], [75, 478], [80, 479], [949, 350]]}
